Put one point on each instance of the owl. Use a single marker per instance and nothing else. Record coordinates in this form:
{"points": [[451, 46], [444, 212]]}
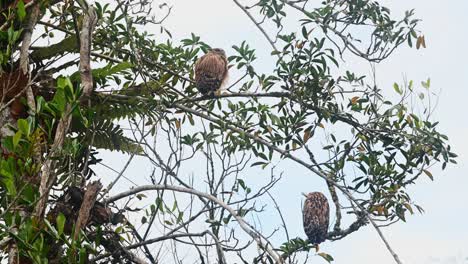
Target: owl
{"points": [[316, 214], [211, 71]]}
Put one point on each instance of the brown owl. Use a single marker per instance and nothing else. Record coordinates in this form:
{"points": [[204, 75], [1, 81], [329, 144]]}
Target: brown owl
{"points": [[211, 71], [316, 214]]}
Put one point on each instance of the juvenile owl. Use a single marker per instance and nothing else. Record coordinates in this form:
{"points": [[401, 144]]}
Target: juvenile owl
{"points": [[211, 70], [316, 214]]}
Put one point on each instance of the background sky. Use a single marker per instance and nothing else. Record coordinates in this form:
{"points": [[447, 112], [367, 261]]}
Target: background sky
{"points": [[440, 235]]}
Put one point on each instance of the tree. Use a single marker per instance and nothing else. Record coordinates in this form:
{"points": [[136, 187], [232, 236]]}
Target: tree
{"points": [[63, 103]]}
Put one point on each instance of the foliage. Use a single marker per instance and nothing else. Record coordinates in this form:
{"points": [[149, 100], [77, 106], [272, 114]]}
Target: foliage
{"points": [[145, 80]]}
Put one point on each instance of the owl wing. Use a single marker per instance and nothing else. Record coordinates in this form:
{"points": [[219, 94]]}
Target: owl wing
{"points": [[210, 72]]}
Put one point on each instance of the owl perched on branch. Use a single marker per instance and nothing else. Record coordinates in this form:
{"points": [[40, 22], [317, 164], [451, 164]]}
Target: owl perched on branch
{"points": [[316, 215], [211, 71]]}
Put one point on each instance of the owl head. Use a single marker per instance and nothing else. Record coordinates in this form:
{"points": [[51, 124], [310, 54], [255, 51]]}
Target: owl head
{"points": [[315, 197], [219, 51]]}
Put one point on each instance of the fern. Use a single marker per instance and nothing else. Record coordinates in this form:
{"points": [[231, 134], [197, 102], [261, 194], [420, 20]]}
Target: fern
{"points": [[116, 107], [104, 134]]}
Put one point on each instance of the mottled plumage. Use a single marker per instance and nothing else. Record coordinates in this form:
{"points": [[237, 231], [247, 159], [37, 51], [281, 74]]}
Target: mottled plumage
{"points": [[316, 214], [211, 71]]}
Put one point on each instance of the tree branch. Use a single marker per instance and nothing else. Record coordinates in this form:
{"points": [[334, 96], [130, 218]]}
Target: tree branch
{"points": [[257, 24], [89, 199], [89, 21], [24, 51], [48, 177], [266, 245], [287, 154]]}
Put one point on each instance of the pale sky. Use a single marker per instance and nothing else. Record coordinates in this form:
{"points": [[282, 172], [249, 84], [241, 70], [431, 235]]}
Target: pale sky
{"points": [[441, 234]]}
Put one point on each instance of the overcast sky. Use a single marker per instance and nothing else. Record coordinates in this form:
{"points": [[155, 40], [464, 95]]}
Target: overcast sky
{"points": [[441, 234]]}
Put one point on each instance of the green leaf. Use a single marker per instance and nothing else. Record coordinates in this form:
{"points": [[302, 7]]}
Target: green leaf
{"points": [[16, 138], [21, 11], [58, 103], [241, 183], [23, 127], [119, 230], [426, 84], [397, 88], [10, 186], [325, 256], [108, 70], [159, 203], [51, 228], [408, 206], [305, 34], [63, 82], [83, 255], [429, 174], [180, 217], [140, 196], [60, 223], [69, 93], [275, 52], [258, 163]]}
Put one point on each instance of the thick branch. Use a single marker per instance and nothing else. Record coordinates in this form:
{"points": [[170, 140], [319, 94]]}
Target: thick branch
{"points": [[68, 44], [89, 22], [336, 201], [24, 51], [47, 175], [338, 234], [89, 199]]}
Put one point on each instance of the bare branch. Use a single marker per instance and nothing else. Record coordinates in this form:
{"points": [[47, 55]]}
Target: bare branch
{"points": [[258, 25], [266, 245], [89, 199]]}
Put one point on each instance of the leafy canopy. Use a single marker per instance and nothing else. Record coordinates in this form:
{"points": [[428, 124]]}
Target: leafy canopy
{"points": [[312, 109]]}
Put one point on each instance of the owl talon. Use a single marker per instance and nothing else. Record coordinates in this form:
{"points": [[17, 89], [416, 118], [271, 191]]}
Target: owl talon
{"points": [[317, 247]]}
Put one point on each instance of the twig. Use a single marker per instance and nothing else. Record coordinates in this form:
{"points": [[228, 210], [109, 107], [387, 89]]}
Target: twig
{"points": [[151, 241], [272, 43], [109, 187], [287, 154], [331, 189], [281, 216], [243, 224]]}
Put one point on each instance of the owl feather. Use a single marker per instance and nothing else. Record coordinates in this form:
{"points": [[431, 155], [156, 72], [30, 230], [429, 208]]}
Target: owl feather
{"points": [[316, 215], [211, 71]]}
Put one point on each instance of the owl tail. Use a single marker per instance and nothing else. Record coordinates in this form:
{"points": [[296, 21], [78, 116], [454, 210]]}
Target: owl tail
{"points": [[207, 84]]}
